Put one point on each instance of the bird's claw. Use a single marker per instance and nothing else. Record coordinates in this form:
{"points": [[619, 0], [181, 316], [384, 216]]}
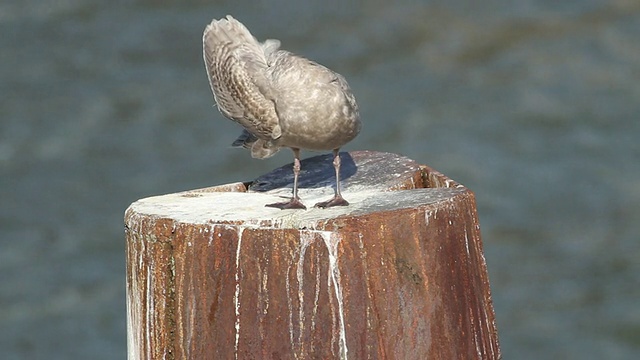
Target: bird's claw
{"points": [[294, 203], [335, 201]]}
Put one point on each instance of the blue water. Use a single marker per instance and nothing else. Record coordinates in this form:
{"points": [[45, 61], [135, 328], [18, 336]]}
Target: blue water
{"points": [[535, 106]]}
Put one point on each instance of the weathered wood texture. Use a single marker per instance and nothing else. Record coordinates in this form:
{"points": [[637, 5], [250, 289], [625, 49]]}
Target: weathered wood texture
{"points": [[214, 274]]}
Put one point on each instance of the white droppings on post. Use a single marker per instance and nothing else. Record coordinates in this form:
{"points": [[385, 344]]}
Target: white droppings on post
{"points": [[190, 307], [476, 340], [211, 233], [134, 309], [236, 296], [133, 317], [150, 304], [134, 221], [365, 269], [306, 238], [466, 242], [289, 307], [264, 290], [317, 296], [140, 296], [331, 240]]}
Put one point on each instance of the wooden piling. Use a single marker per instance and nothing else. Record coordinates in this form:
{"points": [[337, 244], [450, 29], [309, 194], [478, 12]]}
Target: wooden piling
{"points": [[398, 274]]}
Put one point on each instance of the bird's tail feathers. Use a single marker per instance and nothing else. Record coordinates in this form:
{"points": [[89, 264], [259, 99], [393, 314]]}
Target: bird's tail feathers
{"points": [[245, 140], [260, 149]]}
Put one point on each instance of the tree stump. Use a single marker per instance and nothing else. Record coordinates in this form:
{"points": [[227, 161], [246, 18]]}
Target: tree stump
{"points": [[398, 274]]}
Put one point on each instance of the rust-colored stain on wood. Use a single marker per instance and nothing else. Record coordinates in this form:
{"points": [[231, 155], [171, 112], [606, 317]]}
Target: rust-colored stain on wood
{"points": [[402, 277]]}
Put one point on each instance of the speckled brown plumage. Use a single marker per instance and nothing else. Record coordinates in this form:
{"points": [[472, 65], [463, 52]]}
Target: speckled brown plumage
{"points": [[281, 99]]}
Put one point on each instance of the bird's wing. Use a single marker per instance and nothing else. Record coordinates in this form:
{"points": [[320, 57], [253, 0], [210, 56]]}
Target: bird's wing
{"points": [[236, 66]]}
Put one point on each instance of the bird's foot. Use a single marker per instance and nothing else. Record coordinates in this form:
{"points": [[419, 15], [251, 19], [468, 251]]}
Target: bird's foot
{"points": [[336, 201], [294, 203]]}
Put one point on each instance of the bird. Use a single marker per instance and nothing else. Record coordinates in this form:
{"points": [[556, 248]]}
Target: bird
{"points": [[280, 99]]}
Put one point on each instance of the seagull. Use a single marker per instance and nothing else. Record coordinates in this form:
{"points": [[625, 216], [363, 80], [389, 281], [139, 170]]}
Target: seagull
{"points": [[280, 99]]}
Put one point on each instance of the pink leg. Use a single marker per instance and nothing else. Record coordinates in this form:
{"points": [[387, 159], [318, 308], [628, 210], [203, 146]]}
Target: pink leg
{"points": [[295, 202], [337, 199]]}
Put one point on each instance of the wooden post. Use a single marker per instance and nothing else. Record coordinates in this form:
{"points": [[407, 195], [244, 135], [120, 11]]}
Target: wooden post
{"points": [[398, 274]]}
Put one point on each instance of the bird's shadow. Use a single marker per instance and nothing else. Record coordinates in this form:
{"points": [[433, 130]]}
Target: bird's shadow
{"points": [[315, 172]]}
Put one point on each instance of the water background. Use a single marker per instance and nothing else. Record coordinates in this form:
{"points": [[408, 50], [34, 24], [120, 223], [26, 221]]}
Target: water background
{"points": [[532, 104]]}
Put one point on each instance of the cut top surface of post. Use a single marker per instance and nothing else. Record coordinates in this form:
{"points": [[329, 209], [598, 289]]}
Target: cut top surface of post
{"points": [[249, 208], [368, 177]]}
